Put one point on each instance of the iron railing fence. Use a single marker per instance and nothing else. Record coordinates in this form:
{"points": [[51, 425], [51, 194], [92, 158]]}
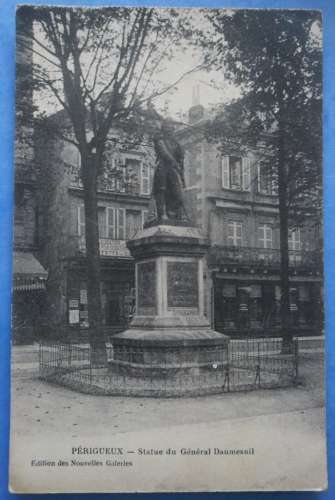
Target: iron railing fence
{"points": [[262, 363], [241, 365]]}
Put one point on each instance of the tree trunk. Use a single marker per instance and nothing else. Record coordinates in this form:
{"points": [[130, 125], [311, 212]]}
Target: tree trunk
{"points": [[96, 339], [284, 250]]}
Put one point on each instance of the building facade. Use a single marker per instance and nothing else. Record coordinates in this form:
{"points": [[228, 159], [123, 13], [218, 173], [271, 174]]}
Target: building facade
{"points": [[124, 194], [29, 276], [235, 203]]}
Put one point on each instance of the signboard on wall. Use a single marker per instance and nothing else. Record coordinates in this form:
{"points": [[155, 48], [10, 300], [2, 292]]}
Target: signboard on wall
{"points": [[113, 248]]}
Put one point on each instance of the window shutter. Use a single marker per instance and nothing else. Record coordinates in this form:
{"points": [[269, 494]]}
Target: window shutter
{"points": [[73, 219], [111, 222], [261, 237], [225, 172], [102, 222], [145, 179], [81, 220], [259, 186], [238, 234], [246, 174], [121, 224]]}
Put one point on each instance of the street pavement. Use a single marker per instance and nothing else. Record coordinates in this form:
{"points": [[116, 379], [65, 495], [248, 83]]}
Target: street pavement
{"points": [[285, 426]]}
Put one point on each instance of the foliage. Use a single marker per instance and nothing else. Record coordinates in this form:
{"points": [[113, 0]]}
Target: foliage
{"points": [[275, 56]]}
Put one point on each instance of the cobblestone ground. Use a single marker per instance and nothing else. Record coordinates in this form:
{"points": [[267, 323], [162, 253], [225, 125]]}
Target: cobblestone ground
{"points": [[39, 407]]}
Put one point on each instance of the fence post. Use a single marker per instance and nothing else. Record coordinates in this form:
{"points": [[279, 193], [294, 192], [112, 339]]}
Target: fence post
{"points": [[296, 358], [90, 361], [39, 358], [258, 367], [70, 354], [227, 367]]}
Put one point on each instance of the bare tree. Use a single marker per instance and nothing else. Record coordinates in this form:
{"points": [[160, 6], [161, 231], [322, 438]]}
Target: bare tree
{"points": [[99, 65]]}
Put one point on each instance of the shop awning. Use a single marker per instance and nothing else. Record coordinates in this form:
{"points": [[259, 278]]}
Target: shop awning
{"points": [[28, 273]]}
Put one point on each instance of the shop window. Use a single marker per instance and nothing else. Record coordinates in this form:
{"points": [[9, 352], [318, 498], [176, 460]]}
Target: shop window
{"points": [[243, 316], [235, 173], [265, 236], [234, 237], [115, 301], [227, 310], [294, 305], [269, 305]]}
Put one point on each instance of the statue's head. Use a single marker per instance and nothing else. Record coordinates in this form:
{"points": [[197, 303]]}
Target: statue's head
{"points": [[168, 126]]}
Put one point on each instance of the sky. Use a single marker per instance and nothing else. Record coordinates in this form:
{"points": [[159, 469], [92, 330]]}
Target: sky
{"points": [[200, 87]]}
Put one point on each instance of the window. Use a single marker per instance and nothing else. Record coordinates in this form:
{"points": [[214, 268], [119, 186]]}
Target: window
{"points": [[111, 222], [133, 223], [234, 234], [235, 173], [111, 229], [116, 223], [265, 236], [266, 183], [133, 176], [294, 239], [145, 179]]}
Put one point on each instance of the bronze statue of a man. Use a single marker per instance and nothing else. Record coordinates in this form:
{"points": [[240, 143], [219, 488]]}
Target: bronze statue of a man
{"points": [[169, 179]]}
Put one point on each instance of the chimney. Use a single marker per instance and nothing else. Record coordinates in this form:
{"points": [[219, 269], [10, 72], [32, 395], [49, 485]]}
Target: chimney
{"points": [[196, 112]]}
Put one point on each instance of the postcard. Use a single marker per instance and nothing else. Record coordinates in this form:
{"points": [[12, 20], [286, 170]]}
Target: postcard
{"points": [[168, 324]]}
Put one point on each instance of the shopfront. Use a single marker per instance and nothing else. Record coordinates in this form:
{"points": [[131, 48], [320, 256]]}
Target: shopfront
{"points": [[253, 307], [29, 279], [117, 296]]}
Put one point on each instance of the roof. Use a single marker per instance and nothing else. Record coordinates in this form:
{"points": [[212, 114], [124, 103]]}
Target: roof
{"points": [[28, 273]]}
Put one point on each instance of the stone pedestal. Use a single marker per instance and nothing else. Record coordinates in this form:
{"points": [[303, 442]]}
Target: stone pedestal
{"points": [[170, 340]]}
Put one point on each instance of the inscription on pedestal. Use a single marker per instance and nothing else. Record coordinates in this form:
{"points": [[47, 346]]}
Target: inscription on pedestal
{"points": [[146, 285], [182, 284]]}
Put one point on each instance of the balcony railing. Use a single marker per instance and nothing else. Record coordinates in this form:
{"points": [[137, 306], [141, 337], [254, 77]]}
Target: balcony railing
{"points": [[265, 256]]}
